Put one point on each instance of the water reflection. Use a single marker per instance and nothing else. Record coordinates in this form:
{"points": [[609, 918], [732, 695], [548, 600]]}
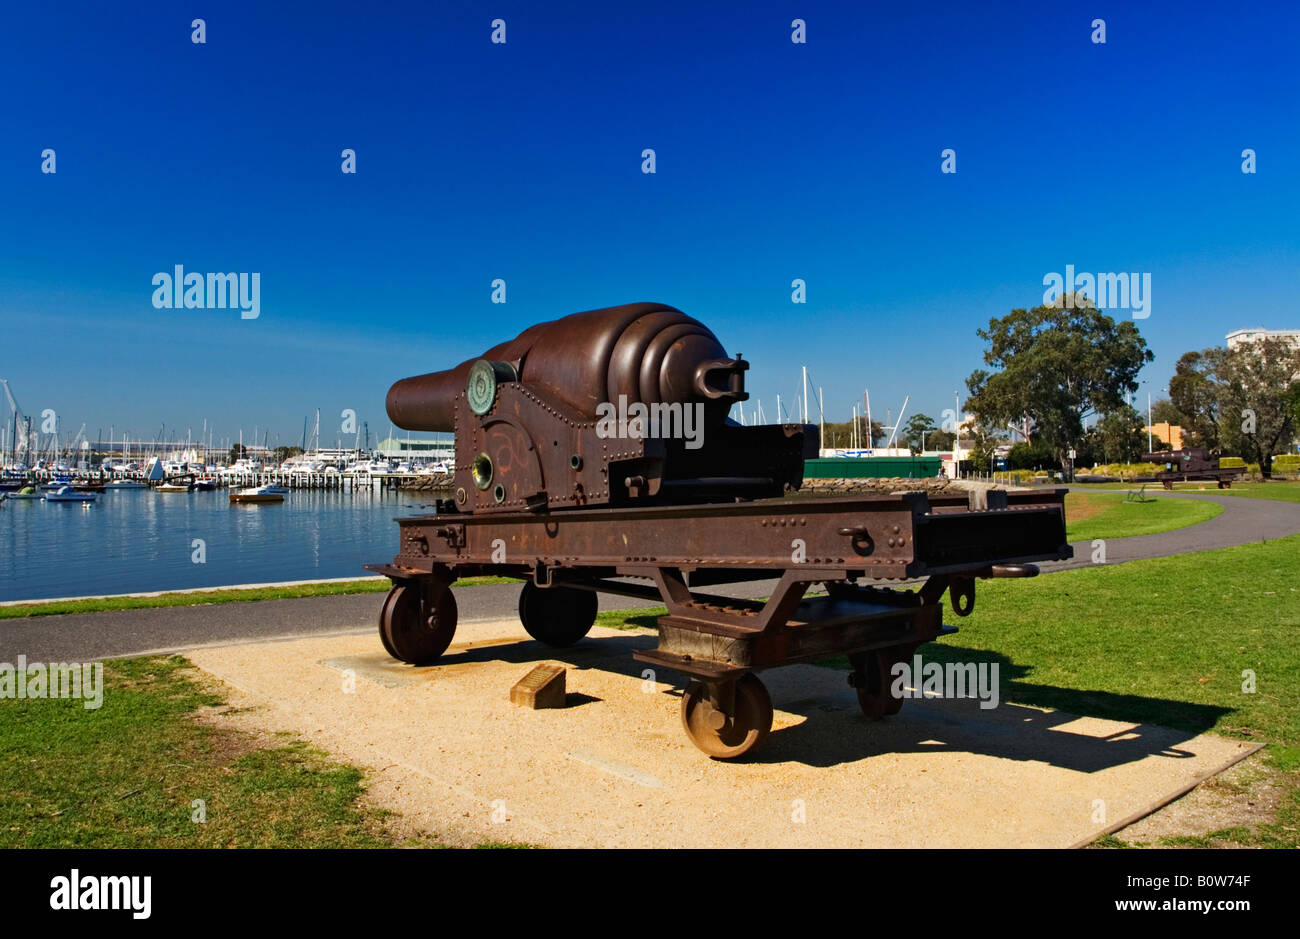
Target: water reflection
{"points": [[139, 540]]}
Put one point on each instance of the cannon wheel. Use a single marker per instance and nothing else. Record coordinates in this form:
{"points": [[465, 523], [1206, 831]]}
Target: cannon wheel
{"points": [[383, 630], [727, 737], [411, 631], [871, 678], [557, 616]]}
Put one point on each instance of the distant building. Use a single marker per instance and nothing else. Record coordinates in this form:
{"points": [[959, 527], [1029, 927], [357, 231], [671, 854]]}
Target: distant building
{"points": [[400, 448], [1239, 336], [1169, 434]]}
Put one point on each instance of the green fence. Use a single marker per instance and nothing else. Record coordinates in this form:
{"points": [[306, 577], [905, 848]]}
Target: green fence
{"points": [[872, 467]]}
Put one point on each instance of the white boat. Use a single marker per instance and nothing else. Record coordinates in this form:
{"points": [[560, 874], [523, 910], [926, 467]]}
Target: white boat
{"points": [[368, 468], [125, 484], [259, 494], [302, 467], [441, 467], [66, 494], [171, 487]]}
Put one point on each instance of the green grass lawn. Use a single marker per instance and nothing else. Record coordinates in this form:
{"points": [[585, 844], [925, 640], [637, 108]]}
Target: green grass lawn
{"points": [[204, 597], [1280, 490], [1162, 640], [1090, 515], [127, 775]]}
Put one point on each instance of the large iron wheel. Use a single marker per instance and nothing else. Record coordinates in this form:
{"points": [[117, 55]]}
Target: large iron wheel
{"points": [[872, 679], [411, 630], [724, 736], [557, 616]]}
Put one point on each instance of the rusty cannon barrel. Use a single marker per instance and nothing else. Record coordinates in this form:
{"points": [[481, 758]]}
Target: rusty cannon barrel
{"points": [[645, 352], [621, 406]]}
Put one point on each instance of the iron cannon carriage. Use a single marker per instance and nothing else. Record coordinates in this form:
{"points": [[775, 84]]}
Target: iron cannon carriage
{"points": [[1192, 463], [551, 488]]}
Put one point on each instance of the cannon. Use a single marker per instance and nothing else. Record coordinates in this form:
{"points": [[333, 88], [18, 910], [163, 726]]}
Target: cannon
{"points": [[1192, 463], [594, 454], [625, 406]]}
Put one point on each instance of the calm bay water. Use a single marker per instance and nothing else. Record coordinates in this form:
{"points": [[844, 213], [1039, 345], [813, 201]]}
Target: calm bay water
{"points": [[137, 540]]}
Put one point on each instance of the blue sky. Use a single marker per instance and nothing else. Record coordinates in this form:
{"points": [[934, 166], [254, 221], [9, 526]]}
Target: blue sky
{"points": [[522, 161]]}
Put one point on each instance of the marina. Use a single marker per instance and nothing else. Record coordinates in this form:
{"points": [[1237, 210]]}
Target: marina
{"points": [[137, 540]]}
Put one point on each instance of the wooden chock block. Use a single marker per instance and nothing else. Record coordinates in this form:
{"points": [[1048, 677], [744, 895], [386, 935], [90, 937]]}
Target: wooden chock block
{"points": [[543, 687]]}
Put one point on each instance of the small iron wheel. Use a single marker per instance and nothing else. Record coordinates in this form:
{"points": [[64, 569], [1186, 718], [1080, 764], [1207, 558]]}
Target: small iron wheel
{"points": [[410, 630], [723, 737], [871, 678], [557, 616]]}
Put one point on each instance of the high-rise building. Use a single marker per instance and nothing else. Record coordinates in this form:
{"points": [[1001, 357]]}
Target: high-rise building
{"points": [[1239, 336]]}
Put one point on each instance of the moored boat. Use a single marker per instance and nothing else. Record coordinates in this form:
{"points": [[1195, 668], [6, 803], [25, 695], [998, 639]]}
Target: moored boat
{"points": [[68, 494], [259, 494], [27, 492]]}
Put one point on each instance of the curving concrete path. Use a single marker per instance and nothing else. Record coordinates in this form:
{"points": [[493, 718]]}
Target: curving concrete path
{"points": [[1244, 520], [88, 636]]}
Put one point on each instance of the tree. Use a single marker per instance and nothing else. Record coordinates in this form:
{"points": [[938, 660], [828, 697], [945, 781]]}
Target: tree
{"points": [[1256, 383], [1239, 400], [1059, 365], [1165, 411], [236, 452], [1194, 392], [916, 430], [981, 442], [1119, 436], [280, 454], [940, 440], [1032, 456], [840, 433]]}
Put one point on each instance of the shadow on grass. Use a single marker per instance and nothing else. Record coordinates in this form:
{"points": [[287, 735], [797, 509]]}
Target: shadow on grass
{"points": [[1176, 715]]}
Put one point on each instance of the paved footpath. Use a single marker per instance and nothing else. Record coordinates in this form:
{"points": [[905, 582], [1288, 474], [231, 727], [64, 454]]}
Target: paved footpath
{"points": [[87, 636], [1244, 520]]}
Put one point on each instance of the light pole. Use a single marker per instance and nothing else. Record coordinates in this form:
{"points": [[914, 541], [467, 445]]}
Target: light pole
{"points": [[1150, 414], [956, 435], [1149, 428]]}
